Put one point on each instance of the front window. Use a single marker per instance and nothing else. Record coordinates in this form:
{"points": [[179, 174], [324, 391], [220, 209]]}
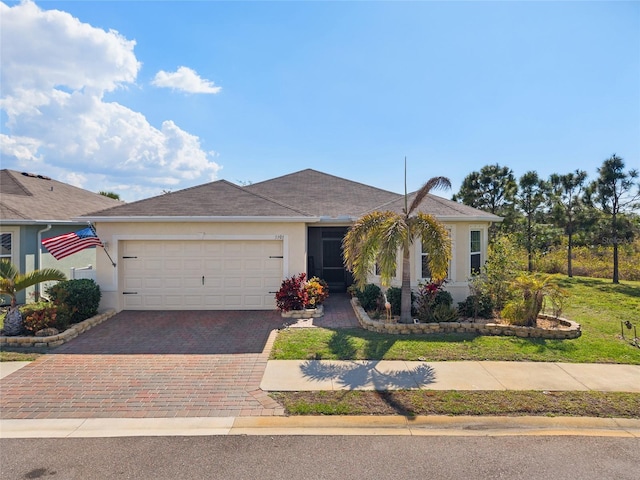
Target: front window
{"points": [[426, 271], [6, 240], [475, 249]]}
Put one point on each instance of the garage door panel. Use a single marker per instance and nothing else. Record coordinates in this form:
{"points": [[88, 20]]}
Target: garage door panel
{"points": [[169, 274], [253, 282], [212, 266], [233, 248], [153, 283], [154, 264], [232, 301], [232, 282]]}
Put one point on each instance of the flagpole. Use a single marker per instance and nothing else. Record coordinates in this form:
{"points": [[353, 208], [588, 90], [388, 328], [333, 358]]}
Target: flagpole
{"points": [[93, 229]]}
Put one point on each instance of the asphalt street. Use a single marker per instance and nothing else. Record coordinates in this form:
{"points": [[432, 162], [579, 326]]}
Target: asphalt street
{"points": [[322, 458]]}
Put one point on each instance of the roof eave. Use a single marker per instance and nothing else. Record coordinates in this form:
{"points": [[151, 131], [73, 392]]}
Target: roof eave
{"points": [[9, 221], [209, 219], [468, 218]]}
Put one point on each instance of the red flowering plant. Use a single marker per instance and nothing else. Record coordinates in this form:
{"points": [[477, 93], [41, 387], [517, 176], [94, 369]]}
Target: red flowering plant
{"points": [[292, 294], [434, 303]]}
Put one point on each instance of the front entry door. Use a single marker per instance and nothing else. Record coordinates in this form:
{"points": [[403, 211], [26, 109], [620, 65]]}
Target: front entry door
{"points": [[333, 271]]}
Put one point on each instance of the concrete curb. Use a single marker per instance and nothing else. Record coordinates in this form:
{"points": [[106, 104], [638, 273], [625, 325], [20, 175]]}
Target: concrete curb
{"points": [[318, 425]]}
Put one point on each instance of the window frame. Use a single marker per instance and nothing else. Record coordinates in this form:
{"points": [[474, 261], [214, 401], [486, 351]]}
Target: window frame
{"points": [[481, 252]]}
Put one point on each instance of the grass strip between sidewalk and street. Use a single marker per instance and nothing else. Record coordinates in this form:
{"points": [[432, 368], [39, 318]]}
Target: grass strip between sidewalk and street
{"points": [[430, 402]]}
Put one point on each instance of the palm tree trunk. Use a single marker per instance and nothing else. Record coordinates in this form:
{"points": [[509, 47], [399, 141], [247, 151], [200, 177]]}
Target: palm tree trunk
{"points": [[405, 303]]}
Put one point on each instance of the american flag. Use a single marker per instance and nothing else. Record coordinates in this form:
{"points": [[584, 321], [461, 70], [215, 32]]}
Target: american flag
{"points": [[70, 243]]}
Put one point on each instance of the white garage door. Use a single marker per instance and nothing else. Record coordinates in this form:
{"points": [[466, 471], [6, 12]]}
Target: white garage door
{"points": [[195, 275]]}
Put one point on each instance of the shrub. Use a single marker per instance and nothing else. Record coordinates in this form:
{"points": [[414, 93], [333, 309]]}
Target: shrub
{"points": [[36, 317], [317, 291], [292, 294], [444, 313], [475, 306], [432, 297], [76, 300], [530, 293], [369, 296]]}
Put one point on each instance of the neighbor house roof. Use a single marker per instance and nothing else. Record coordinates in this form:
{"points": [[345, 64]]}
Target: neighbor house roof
{"points": [[307, 195], [31, 198]]}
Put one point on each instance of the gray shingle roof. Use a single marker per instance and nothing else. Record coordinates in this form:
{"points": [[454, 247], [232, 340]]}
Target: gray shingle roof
{"points": [[321, 194], [440, 208], [307, 193], [216, 199], [38, 198]]}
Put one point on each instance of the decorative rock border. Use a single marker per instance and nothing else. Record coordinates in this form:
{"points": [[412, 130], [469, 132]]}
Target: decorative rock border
{"points": [[56, 340], [571, 330], [306, 313]]}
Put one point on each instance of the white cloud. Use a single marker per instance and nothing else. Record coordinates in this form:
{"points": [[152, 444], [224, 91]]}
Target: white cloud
{"points": [[184, 79], [55, 72]]}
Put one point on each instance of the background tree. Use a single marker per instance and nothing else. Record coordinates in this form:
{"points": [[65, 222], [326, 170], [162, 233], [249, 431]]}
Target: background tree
{"points": [[115, 196], [378, 236], [492, 189], [566, 201], [530, 200], [615, 192]]}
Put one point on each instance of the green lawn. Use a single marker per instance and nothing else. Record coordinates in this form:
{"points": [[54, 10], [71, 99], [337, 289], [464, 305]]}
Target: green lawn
{"points": [[597, 304]]}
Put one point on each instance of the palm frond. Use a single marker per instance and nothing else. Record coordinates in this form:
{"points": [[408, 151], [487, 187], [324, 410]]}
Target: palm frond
{"points": [[364, 241], [433, 183], [436, 242], [8, 270]]}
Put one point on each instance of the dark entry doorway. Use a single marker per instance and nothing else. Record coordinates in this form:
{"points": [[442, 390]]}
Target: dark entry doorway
{"points": [[325, 258]]}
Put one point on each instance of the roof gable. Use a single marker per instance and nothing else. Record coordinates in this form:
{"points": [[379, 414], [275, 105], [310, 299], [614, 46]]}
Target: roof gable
{"points": [[321, 194], [29, 197]]}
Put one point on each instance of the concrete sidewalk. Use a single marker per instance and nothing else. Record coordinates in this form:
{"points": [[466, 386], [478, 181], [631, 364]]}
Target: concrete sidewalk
{"points": [[376, 375], [301, 375]]}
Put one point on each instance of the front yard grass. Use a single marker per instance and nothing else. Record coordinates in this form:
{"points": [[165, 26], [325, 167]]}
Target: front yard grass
{"points": [[597, 304]]}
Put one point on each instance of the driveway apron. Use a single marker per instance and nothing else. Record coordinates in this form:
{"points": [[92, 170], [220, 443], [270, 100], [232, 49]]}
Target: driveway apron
{"points": [[151, 364]]}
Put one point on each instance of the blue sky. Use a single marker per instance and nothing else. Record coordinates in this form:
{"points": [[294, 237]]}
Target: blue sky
{"points": [[187, 92]]}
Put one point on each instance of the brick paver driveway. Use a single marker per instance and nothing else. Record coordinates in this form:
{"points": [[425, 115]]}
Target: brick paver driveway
{"points": [[151, 364], [158, 364]]}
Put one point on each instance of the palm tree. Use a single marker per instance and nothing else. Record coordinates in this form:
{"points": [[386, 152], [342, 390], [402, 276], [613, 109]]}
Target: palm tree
{"points": [[12, 282], [377, 237]]}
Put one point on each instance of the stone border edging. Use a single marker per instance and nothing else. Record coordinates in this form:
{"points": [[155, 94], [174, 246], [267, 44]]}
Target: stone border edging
{"points": [[573, 331], [56, 340], [306, 313]]}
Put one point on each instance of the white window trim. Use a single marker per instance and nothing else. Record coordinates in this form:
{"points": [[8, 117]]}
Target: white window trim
{"points": [[484, 239], [15, 244]]}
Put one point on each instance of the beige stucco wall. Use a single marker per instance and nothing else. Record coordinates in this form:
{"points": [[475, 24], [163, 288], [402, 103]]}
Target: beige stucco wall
{"points": [[109, 278]]}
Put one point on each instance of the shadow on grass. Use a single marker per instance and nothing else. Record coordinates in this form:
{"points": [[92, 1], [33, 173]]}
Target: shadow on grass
{"points": [[344, 342], [368, 375], [602, 285]]}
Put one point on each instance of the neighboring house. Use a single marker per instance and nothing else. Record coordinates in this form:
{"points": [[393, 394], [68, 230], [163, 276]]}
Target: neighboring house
{"points": [[34, 207], [223, 246]]}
